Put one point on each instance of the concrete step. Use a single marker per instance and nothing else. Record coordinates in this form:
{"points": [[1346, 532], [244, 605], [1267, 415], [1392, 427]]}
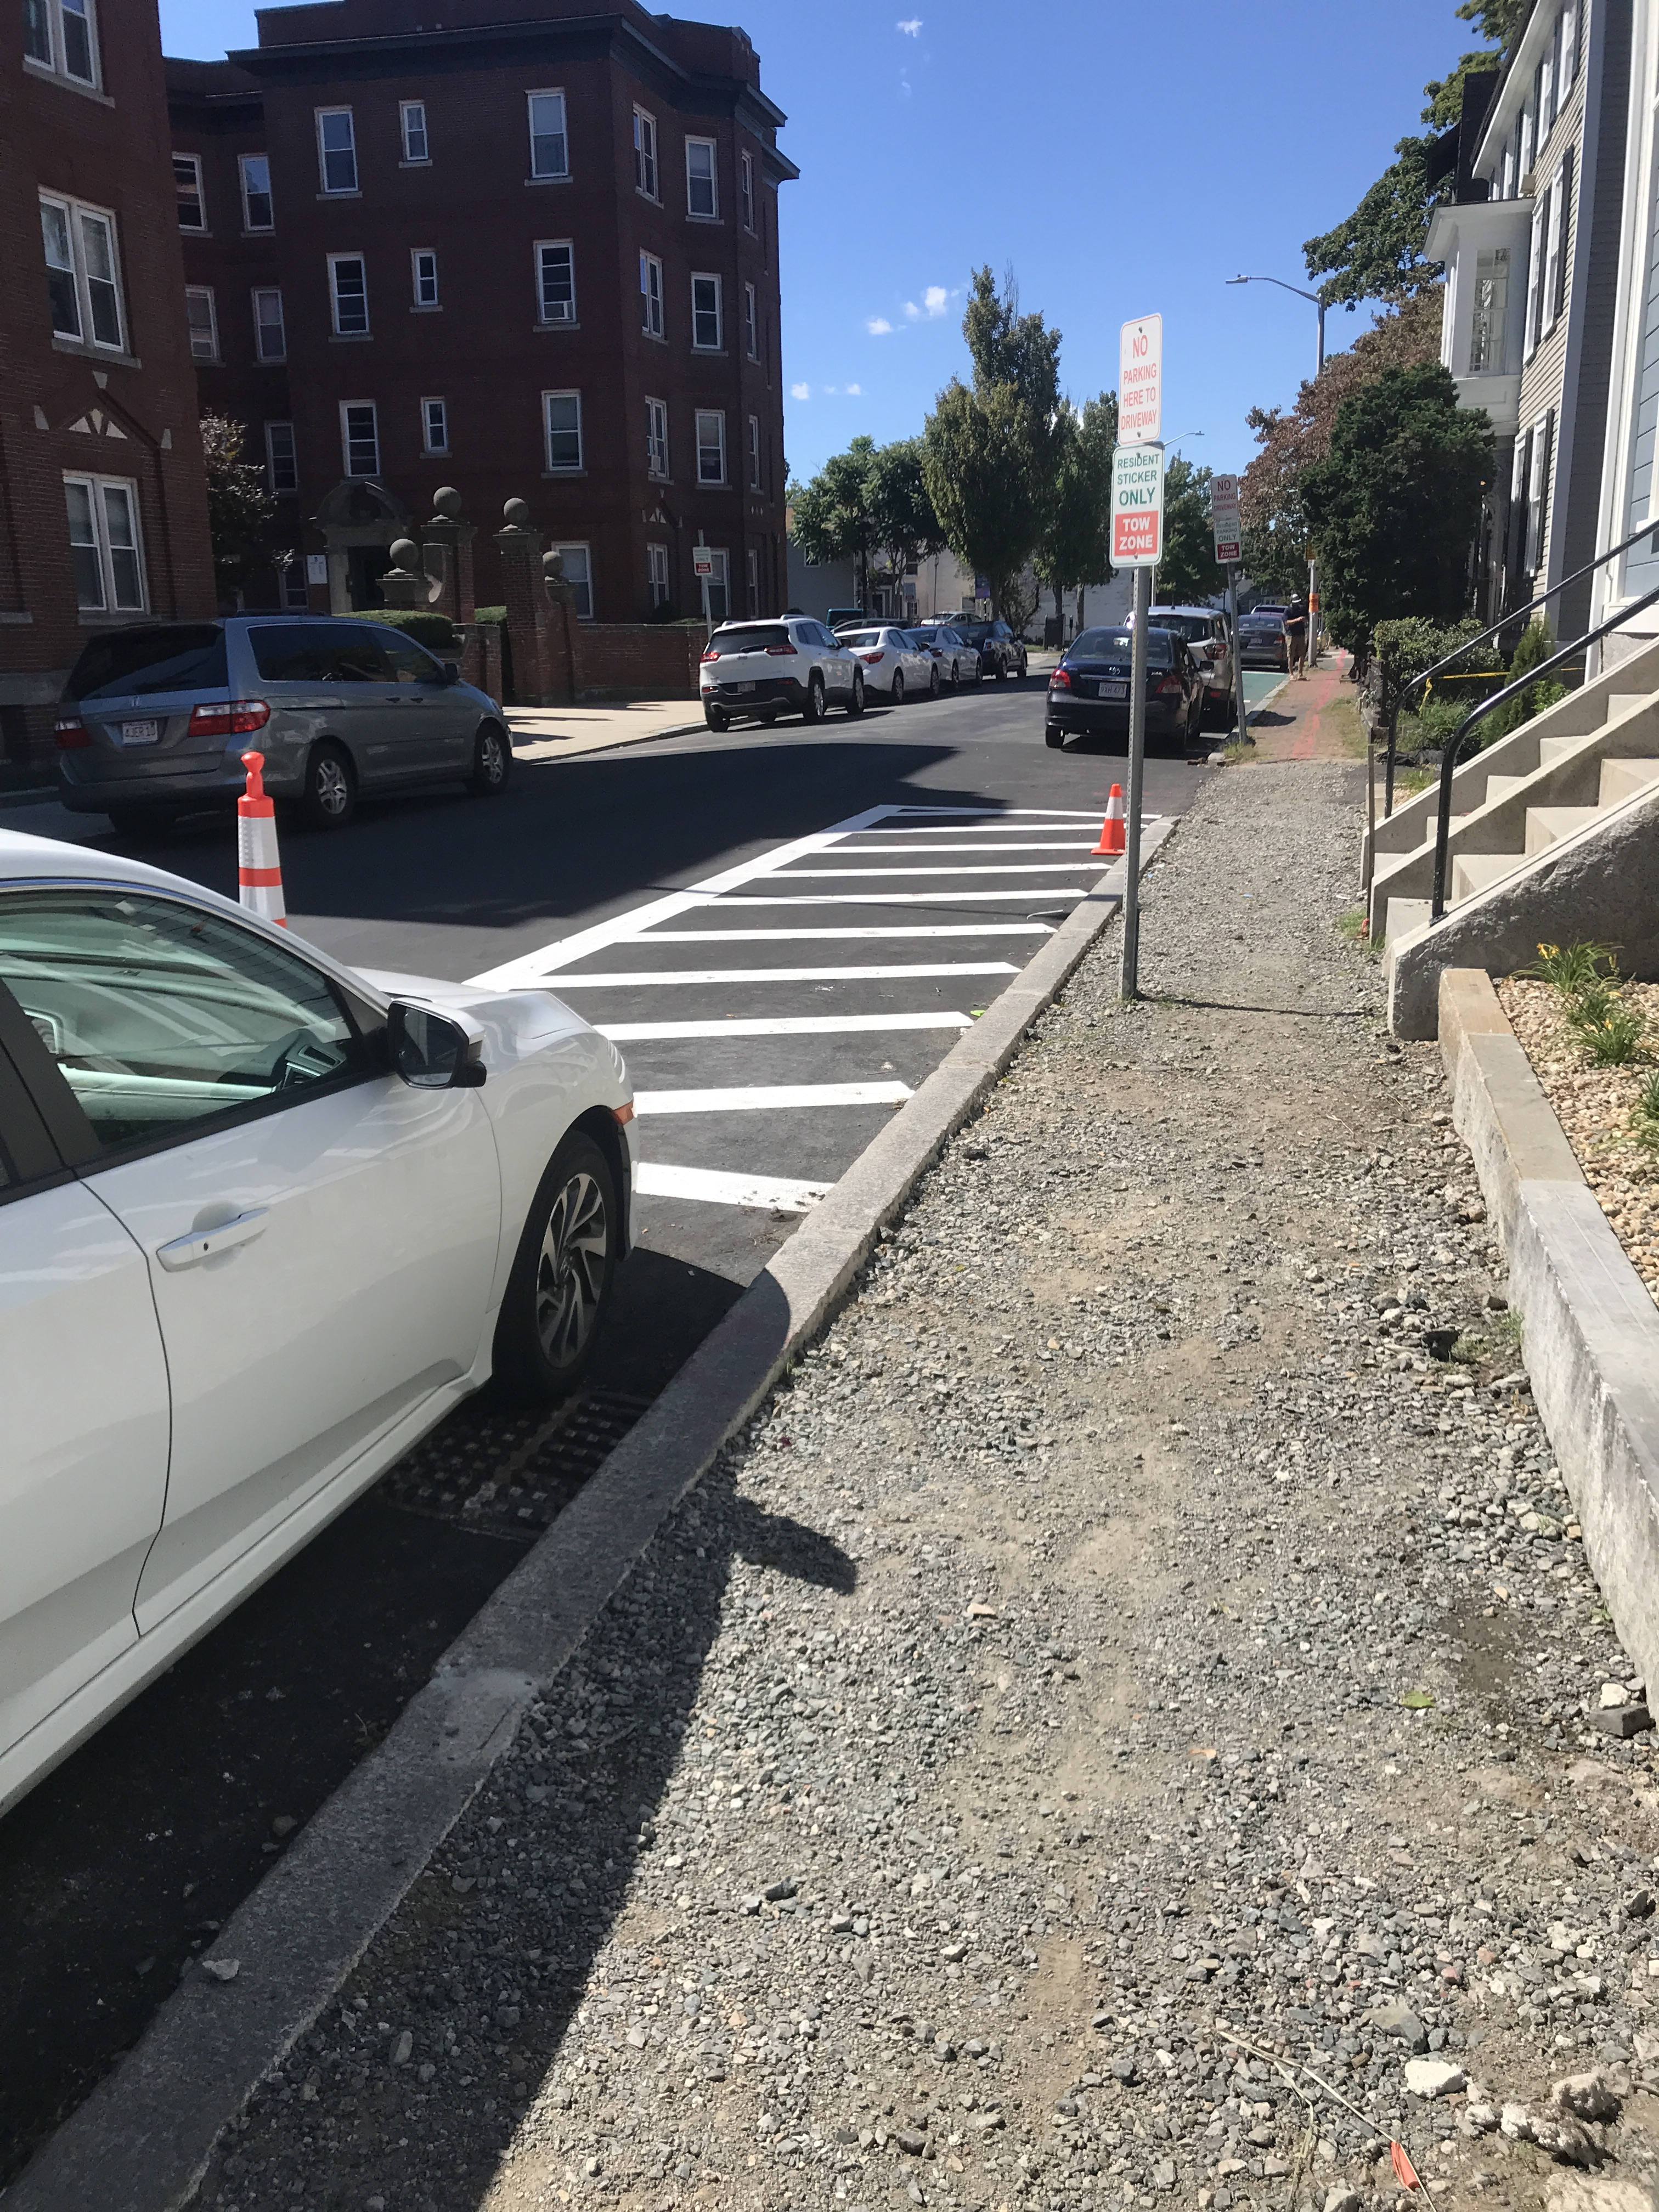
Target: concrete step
{"points": [[1551, 750], [1405, 914], [1623, 779], [1620, 703], [1548, 825], [1473, 871], [1500, 786]]}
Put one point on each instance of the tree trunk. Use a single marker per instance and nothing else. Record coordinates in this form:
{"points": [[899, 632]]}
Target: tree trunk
{"points": [[1081, 589]]}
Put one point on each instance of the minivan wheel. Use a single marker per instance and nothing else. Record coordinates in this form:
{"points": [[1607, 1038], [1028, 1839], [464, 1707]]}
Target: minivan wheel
{"points": [[560, 1286], [492, 764], [330, 798]]}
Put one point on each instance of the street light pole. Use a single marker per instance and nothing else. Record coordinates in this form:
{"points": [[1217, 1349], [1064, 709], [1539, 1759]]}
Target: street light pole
{"points": [[1319, 367]]}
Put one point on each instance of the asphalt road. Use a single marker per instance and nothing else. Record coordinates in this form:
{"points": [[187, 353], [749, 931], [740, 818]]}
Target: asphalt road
{"points": [[941, 837]]}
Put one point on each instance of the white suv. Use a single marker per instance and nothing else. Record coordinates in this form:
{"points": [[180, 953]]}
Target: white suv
{"points": [[790, 665]]}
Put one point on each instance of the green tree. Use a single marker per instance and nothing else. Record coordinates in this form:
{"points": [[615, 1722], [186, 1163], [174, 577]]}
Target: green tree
{"points": [[240, 506], [1377, 252], [1188, 572], [907, 528], [1393, 507], [1075, 548], [834, 517]]}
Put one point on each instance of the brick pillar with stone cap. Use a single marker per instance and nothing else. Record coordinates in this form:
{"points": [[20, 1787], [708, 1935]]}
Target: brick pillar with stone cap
{"points": [[521, 547], [447, 541], [563, 630]]}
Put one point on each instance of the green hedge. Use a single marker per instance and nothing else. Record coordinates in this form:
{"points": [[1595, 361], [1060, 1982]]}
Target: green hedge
{"points": [[435, 631], [489, 614]]}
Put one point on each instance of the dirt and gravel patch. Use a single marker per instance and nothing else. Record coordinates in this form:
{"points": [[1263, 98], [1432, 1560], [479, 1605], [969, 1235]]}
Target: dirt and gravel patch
{"points": [[1121, 1669], [1594, 1106]]}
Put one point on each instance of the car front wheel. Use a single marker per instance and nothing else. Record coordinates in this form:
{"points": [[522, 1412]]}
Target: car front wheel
{"points": [[1000, 669], [560, 1285], [330, 799], [492, 764]]}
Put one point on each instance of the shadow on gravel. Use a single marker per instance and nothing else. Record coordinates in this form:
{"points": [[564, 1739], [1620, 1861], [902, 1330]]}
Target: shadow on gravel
{"points": [[1237, 1007], [121, 1865], [499, 1960]]}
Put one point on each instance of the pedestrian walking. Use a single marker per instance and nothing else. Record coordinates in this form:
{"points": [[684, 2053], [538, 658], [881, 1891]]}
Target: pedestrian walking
{"points": [[1296, 638]]}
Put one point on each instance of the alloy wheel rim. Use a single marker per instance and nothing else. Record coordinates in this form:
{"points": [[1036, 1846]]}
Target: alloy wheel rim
{"points": [[491, 750], [330, 786], [570, 1269]]}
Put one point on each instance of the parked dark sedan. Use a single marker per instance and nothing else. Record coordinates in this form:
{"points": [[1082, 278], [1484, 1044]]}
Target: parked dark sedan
{"points": [[1000, 652], [1089, 692], [1262, 641]]}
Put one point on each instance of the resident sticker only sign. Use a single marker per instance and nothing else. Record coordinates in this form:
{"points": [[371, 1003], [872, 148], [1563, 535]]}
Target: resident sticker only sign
{"points": [[1137, 507], [1141, 382], [1226, 520]]}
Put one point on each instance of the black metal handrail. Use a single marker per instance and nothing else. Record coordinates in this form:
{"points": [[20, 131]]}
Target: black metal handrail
{"points": [[1515, 615], [1449, 758]]}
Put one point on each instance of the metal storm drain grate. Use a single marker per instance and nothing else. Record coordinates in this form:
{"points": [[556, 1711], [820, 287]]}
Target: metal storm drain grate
{"points": [[510, 1474]]}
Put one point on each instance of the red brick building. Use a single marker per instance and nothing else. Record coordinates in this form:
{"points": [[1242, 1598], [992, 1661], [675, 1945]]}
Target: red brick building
{"points": [[103, 507], [532, 252]]}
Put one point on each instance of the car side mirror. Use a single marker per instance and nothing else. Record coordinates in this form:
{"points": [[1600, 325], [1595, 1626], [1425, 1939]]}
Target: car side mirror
{"points": [[433, 1052], [448, 672]]}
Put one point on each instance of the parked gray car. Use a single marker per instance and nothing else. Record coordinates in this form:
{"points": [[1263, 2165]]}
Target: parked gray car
{"points": [[155, 719]]}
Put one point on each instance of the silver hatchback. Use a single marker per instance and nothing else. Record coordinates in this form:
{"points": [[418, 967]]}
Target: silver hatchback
{"points": [[155, 720]]}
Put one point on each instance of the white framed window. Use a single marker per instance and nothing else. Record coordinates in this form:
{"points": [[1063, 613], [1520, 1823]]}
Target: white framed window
{"points": [[750, 322], [579, 574], [104, 548], [701, 189], [413, 115], [1490, 312], [203, 322], [1519, 469], [1540, 215], [753, 453], [1567, 71], [61, 35], [423, 275], [711, 446], [1556, 266], [434, 426], [187, 184], [656, 438], [269, 331], [717, 589], [550, 147], [1544, 85], [656, 575], [645, 153], [706, 332], [651, 296], [281, 461], [561, 420], [1538, 477], [360, 437], [751, 563], [746, 188], [1528, 138], [337, 149], [83, 279], [555, 280], [348, 288], [257, 212]]}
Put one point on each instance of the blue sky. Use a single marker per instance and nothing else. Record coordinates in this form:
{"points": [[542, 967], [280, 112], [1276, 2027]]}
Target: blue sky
{"points": [[1123, 159]]}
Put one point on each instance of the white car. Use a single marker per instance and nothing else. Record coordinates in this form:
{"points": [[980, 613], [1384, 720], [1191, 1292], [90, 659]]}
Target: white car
{"points": [[894, 666], [1207, 635], [263, 1221], [789, 665], [957, 660]]}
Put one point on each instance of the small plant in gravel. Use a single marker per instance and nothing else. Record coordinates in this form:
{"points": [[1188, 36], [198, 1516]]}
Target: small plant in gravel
{"points": [[1574, 968], [1612, 1031], [1644, 1115]]}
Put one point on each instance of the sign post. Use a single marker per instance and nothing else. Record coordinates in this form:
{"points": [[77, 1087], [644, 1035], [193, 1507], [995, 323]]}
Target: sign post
{"points": [[1228, 523], [1138, 544], [702, 568]]}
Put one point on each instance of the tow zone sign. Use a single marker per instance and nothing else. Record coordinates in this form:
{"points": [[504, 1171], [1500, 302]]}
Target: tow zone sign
{"points": [[1137, 507]]}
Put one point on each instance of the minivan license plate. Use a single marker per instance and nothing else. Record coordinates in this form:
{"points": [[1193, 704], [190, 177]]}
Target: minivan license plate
{"points": [[141, 734]]}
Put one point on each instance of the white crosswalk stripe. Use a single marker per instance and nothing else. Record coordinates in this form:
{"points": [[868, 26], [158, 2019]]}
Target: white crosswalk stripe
{"points": [[624, 979], [756, 1098], [781, 1025]]}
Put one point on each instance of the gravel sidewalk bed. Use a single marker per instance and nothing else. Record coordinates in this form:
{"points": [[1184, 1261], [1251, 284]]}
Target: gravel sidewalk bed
{"points": [[1594, 1107], [1118, 1662]]}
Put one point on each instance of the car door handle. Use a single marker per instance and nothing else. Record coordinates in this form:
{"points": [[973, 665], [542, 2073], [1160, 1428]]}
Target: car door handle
{"points": [[202, 1243]]}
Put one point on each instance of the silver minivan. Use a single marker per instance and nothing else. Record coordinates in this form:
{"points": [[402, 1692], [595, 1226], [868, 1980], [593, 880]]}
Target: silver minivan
{"points": [[155, 719]]}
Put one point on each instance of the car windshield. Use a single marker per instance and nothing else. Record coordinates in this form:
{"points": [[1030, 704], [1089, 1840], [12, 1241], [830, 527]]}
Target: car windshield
{"points": [[1188, 627], [748, 640], [171, 657], [1119, 644]]}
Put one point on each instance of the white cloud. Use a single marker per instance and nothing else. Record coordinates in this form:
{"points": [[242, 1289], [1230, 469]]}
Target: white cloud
{"points": [[800, 391], [912, 313], [879, 326], [854, 391], [829, 389], [933, 299], [911, 25]]}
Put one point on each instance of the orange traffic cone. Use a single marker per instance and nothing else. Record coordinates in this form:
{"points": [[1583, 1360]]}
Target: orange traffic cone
{"points": [[1110, 846], [259, 868]]}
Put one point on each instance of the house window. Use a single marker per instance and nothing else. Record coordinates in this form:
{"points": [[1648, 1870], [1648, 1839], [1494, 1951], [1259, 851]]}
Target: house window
{"points": [[1540, 217], [347, 280], [651, 296], [82, 280], [257, 211], [1555, 277], [656, 575], [645, 153], [281, 459], [1544, 86], [414, 117], [58, 34], [423, 270], [1492, 303], [1538, 476], [555, 281], [188, 184], [656, 438], [746, 189], [360, 437], [204, 323], [1529, 119], [706, 313], [104, 548], [753, 453], [579, 574], [717, 589], [750, 322], [337, 149], [549, 152], [562, 412], [711, 446], [752, 561], [269, 332], [701, 196], [1571, 16], [434, 426], [296, 598]]}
